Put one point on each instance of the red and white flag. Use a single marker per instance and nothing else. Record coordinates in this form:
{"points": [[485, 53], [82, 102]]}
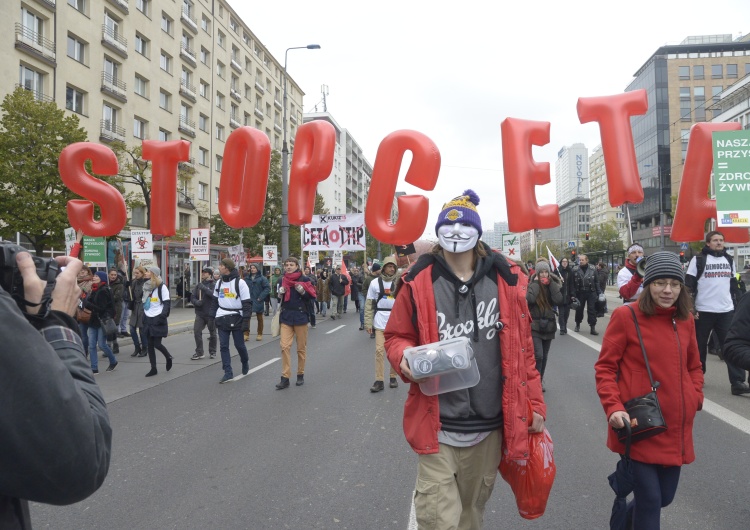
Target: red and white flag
{"points": [[552, 261]]}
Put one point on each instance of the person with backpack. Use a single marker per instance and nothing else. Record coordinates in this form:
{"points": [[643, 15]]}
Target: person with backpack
{"points": [[378, 304], [156, 307], [231, 309], [100, 303], [259, 289], [202, 302], [711, 279]]}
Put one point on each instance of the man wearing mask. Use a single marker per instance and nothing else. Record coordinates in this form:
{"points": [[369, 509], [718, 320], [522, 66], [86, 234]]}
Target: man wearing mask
{"points": [[380, 300], [629, 282], [202, 301], [587, 292]]}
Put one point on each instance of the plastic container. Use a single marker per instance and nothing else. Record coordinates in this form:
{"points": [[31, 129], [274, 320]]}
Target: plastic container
{"points": [[448, 365]]}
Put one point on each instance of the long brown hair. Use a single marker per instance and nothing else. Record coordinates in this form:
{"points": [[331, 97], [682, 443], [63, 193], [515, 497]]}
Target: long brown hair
{"points": [[684, 303], [542, 299]]}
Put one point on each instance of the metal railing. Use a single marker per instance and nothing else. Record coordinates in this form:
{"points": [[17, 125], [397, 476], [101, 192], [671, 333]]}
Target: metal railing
{"points": [[187, 17], [187, 50], [110, 35], [186, 87], [113, 84], [38, 95], [35, 40], [108, 129]]}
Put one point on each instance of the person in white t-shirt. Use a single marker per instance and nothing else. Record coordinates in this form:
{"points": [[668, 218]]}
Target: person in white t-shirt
{"points": [[156, 307], [380, 300], [710, 277]]}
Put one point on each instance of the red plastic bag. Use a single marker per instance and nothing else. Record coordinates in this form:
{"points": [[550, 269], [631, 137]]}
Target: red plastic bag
{"points": [[531, 479]]}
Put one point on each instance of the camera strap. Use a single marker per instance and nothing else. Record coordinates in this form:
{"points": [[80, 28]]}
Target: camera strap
{"points": [[44, 303]]}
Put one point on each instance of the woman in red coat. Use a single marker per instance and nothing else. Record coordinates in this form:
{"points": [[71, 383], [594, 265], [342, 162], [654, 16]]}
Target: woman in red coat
{"points": [[668, 329]]}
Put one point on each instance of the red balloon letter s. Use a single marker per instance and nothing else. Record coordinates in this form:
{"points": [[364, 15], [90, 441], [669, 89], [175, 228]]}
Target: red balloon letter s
{"points": [[522, 174], [114, 214], [413, 209], [313, 161]]}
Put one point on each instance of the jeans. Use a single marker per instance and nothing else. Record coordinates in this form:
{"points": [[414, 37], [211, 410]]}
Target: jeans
{"points": [[143, 344], [719, 323], [198, 325], [361, 298], [654, 487], [96, 337], [123, 324], [541, 350], [346, 302], [323, 308], [84, 336], [239, 343], [564, 311]]}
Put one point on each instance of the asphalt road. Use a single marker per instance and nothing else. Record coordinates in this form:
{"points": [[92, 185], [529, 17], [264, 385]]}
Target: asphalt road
{"points": [[190, 453]]}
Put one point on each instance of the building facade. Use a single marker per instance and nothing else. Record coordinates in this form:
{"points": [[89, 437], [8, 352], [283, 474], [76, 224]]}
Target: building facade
{"points": [[160, 70], [345, 191], [494, 237], [680, 80], [601, 210], [571, 173]]}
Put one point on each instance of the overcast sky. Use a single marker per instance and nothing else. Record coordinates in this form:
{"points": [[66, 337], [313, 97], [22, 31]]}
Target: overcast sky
{"points": [[455, 70]]}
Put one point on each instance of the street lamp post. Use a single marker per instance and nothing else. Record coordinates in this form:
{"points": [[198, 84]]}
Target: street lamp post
{"points": [[285, 165]]}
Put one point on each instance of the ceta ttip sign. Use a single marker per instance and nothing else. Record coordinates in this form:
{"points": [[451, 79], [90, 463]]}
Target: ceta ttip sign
{"points": [[244, 176]]}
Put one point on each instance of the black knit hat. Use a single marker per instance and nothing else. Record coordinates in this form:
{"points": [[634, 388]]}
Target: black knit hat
{"points": [[663, 265]]}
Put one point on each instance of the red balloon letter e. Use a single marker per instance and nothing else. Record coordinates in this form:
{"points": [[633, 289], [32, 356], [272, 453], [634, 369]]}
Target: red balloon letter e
{"points": [[314, 148], [114, 214]]}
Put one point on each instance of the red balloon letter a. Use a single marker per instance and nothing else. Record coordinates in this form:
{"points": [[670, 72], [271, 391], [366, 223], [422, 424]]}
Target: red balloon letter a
{"points": [[522, 174]]}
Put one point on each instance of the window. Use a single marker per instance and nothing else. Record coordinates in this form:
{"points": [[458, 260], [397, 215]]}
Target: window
{"points": [[203, 191], [268, 110], [220, 100], [32, 80], [216, 195], [747, 68], [143, 6], [220, 69], [221, 39], [699, 92], [165, 100], [111, 70], [717, 71], [165, 62], [205, 24], [186, 79], [205, 55], [732, 70], [219, 160], [110, 116], [699, 98], [247, 91], [74, 100], [138, 216], [203, 122], [204, 89], [166, 23], [32, 24], [139, 128], [246, 38], [715, 91], [141, 44], [111, 25], [233, 25], [259, 103], [141, 86], [235, 53], [184, 221], [684, 72], [235, 83], [684, 92], [268, 85], [221, 10], [234, 111], [164, 135], [698, 71], [78, 4], [187, 43], [76, 49], [203, 156], [219, 132]]}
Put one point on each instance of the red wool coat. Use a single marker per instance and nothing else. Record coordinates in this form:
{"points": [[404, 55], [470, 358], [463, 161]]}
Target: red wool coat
{"points": [[675, 363]]}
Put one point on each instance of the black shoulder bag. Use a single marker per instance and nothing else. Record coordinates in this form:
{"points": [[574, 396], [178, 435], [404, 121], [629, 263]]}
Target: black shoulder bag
{"points": [[646, 419]]}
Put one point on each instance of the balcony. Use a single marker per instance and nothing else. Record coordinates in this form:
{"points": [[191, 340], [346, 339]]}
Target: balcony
{"points": [[293, 119], [277, 127], [277, 104], [35, 44], [259, 113], [187, 126], [187, 165], [234, 121], [260, 88], [185, 199], [187, 90], [114, 41], [110, 132], [235, 64], [188, 54], [51, 4], [122, 5], [114, 87], [38, 96], [235, 95], [188, 20]]}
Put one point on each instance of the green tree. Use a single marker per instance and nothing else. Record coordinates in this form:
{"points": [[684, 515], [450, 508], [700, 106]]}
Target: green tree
{"points": [[33, 197], [602, 237]]}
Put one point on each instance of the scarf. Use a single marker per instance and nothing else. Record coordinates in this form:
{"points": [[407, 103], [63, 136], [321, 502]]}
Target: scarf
{"points": [[147, 288], [290, 281]]}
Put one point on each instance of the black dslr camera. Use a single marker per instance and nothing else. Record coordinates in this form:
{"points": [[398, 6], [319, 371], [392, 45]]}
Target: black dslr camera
{"points": [[12, 281]]}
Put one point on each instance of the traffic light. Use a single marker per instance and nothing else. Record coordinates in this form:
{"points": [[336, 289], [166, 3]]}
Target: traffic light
{"points": [[573, 255], [587, 236], [682, 257]]}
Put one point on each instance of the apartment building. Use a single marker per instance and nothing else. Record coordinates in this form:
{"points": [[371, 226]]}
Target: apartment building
{"points": [[346, 189], [601, 210], [681, 81], [158, 70]]}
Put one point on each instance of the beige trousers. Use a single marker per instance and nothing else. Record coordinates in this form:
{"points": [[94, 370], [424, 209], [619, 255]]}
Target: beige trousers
{"points": [[380, 358], [288, 333]]}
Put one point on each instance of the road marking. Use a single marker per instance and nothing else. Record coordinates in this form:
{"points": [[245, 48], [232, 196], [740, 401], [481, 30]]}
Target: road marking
{"points": [[335, 329], [714, 409], [238, 377], [412, 515]]}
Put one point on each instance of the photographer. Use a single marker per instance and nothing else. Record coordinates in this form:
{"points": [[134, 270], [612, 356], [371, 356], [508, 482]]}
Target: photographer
{"points": [[54, 427]]}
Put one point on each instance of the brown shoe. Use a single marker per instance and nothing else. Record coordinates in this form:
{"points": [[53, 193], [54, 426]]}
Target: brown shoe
{"points": [[260, 337], [247, 336], [394, 383]]}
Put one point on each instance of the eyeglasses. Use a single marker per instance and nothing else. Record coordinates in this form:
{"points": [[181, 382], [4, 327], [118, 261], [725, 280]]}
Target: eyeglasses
{"points": [[662, 284]]}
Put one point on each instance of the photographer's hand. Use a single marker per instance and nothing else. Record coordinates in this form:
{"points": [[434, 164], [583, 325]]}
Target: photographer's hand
{"points": [[66, 293]]}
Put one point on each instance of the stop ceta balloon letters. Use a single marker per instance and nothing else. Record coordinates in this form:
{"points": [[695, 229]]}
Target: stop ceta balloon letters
{"points": [[522, 174], [164, 157], [613, 115], [312, 163], [694, 207], [114, 213], [412, 209], [244, 177]]}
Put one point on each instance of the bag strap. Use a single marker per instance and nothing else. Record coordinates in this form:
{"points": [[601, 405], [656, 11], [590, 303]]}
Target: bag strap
{"points": [[654, 384]]}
